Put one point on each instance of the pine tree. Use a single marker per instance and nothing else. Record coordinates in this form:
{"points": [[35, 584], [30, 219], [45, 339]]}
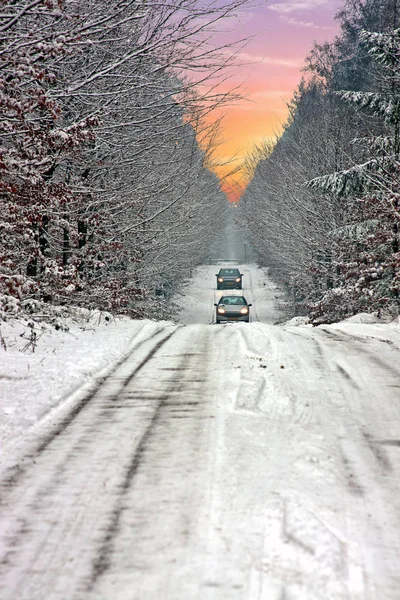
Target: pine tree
{"points": [[367, 249]]}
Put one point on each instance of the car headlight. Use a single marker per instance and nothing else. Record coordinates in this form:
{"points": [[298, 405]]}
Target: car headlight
{"points": [[220, 279], [244, 310], [237, 279], [220, 310]]}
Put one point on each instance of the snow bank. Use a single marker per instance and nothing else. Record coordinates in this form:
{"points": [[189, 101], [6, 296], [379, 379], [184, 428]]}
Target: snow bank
{"points": [[367, 318], [297, 322]]}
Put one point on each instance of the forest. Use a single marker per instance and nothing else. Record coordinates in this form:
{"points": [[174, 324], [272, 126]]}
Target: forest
{"points": [[106, 195], [322, 206]]}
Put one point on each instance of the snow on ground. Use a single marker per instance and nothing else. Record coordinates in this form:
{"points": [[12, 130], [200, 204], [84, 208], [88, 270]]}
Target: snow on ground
{"points": [[38, 375], [215, 462]]}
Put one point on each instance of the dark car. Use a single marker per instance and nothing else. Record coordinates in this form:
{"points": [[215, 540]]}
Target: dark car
{"points": [[229, 279], [232, 308]]}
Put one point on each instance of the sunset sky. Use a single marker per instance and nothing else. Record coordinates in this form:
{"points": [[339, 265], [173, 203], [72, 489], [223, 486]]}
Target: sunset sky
{"points": [[285, 31]]}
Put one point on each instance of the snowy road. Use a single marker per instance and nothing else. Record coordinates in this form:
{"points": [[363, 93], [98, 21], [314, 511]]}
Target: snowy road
{"points": [[230, 462]]}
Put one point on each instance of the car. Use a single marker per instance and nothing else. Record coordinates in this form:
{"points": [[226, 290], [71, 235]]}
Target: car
{"points": [[232, 308], [229, 279]]}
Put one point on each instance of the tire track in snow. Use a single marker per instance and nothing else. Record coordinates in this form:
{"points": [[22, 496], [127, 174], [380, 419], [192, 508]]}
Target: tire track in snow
{"points": [[168, 407], [254, 309], [102, 562], [309, 368], [347, 376], [83, 403], [339, 393], [379, 453], [15, 473], [69, 504], [11, 484], [360, 345], [364, 386]]}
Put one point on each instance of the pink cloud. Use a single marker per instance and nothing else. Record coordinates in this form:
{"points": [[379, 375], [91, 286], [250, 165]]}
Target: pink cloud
{"points": [[293, 63], [298, 23], [294, 5]]}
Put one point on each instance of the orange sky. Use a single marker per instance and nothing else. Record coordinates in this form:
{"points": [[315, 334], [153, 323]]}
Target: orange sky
{"points": [[270, 71]]}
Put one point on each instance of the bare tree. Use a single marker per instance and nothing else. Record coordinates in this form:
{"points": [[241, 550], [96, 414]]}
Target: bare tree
{"points": [[115, 80]]}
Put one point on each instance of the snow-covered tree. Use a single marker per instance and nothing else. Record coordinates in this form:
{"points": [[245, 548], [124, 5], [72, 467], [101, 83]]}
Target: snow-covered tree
{"points": [[33, 142], [102, 174], [367, 249], [334, 240], [288, 222]]}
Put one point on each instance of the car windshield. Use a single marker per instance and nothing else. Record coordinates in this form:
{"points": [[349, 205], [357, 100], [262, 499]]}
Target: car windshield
{"points": [[227, 272], [233, 300]]}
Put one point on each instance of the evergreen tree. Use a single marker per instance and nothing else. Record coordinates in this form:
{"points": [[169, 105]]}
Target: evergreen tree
{"points": [[367, 249], [337, 248]]}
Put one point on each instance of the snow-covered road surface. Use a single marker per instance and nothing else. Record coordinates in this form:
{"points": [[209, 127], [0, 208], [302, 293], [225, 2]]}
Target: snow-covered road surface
{"points": [[229, 462]]}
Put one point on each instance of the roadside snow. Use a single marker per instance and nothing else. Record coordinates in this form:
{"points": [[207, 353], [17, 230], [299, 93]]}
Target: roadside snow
{"points": [[38, 375], [365, 318]]}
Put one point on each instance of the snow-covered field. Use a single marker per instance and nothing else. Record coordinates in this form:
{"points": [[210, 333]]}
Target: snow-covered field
{"points": [[145, 460]]}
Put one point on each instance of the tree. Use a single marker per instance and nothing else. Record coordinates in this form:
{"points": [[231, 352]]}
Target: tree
{"points": [[368, 250], [33, 142], [105, 145], [334, 240]]}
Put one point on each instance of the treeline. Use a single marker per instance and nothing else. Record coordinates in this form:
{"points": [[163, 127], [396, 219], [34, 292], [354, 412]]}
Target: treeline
{"points": [[105, 196], [322, 207]]}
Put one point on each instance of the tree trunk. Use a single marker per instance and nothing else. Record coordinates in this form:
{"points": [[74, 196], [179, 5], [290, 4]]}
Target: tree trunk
{"points": [[66, 245]]}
